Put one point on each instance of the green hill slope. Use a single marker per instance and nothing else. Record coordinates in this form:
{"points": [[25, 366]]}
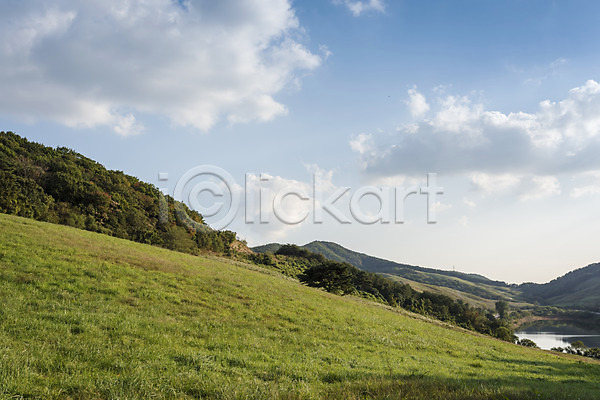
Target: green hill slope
{"points": [[578, 289], [88, 316]]}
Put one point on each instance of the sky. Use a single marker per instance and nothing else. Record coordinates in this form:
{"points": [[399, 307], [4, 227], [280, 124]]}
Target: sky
{"points": [[323, 120]]}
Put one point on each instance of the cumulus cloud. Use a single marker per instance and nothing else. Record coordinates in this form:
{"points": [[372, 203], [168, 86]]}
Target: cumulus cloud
{"points": [[417, 104], [463, 137], [359, 7], [278, 199], [110, 62], [362, 143]]}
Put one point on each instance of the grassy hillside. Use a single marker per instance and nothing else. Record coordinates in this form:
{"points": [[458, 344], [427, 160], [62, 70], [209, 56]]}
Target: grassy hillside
{"points": [[88, 316]]}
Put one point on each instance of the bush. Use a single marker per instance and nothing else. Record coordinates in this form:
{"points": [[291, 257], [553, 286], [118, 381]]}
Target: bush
{"points": [[527, 343], [503, 333]]}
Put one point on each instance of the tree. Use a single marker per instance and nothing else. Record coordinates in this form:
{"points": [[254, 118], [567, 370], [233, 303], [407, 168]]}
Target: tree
{"points": [[502, 308], [593, 352], [333, 276], [578, 345], [503, 333]]}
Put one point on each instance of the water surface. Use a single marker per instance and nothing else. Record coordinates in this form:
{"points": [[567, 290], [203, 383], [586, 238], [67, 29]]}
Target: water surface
{"points": [[548, 339]]}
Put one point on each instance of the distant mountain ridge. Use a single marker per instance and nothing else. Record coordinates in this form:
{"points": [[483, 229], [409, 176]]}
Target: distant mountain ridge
{"points": [[472, 284], [375, 264], [578, 289]]}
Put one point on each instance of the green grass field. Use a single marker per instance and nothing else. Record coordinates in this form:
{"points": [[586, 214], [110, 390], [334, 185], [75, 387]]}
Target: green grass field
{"points": [[87, 316]]}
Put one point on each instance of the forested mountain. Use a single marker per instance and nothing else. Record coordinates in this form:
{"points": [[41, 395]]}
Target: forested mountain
{"points": [[62, 186]]}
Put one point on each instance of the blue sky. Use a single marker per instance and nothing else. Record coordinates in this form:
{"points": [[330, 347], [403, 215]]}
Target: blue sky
{"points": [[500, 99]]}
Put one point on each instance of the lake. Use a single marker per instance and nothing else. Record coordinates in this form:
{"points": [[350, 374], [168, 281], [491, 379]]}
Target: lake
{"points": [[547, 334], [547, 340]]}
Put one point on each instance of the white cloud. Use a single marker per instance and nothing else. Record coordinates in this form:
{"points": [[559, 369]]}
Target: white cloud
{"points": [[277, 206], [469, 203], [417, 104], [126, 125], [462, 137], [278, 200], [540, 187], [359, 7], [34, 28], [490, 183], [464, 220], [362, 143], [110, 62], [529, 187], [585, 191], [441, 207], [587, 184]]}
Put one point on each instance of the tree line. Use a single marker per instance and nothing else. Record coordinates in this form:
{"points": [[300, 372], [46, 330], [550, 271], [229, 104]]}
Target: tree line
{"points": [[345, 279]]}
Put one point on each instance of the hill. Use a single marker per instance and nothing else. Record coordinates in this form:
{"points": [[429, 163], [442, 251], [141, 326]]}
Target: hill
{"points": [[91, 316], [472, 288], [578, 289], [374, 264], [62, 186]]}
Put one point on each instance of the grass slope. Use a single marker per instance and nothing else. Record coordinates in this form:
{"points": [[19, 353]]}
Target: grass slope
{"points": [[88, 316]]}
